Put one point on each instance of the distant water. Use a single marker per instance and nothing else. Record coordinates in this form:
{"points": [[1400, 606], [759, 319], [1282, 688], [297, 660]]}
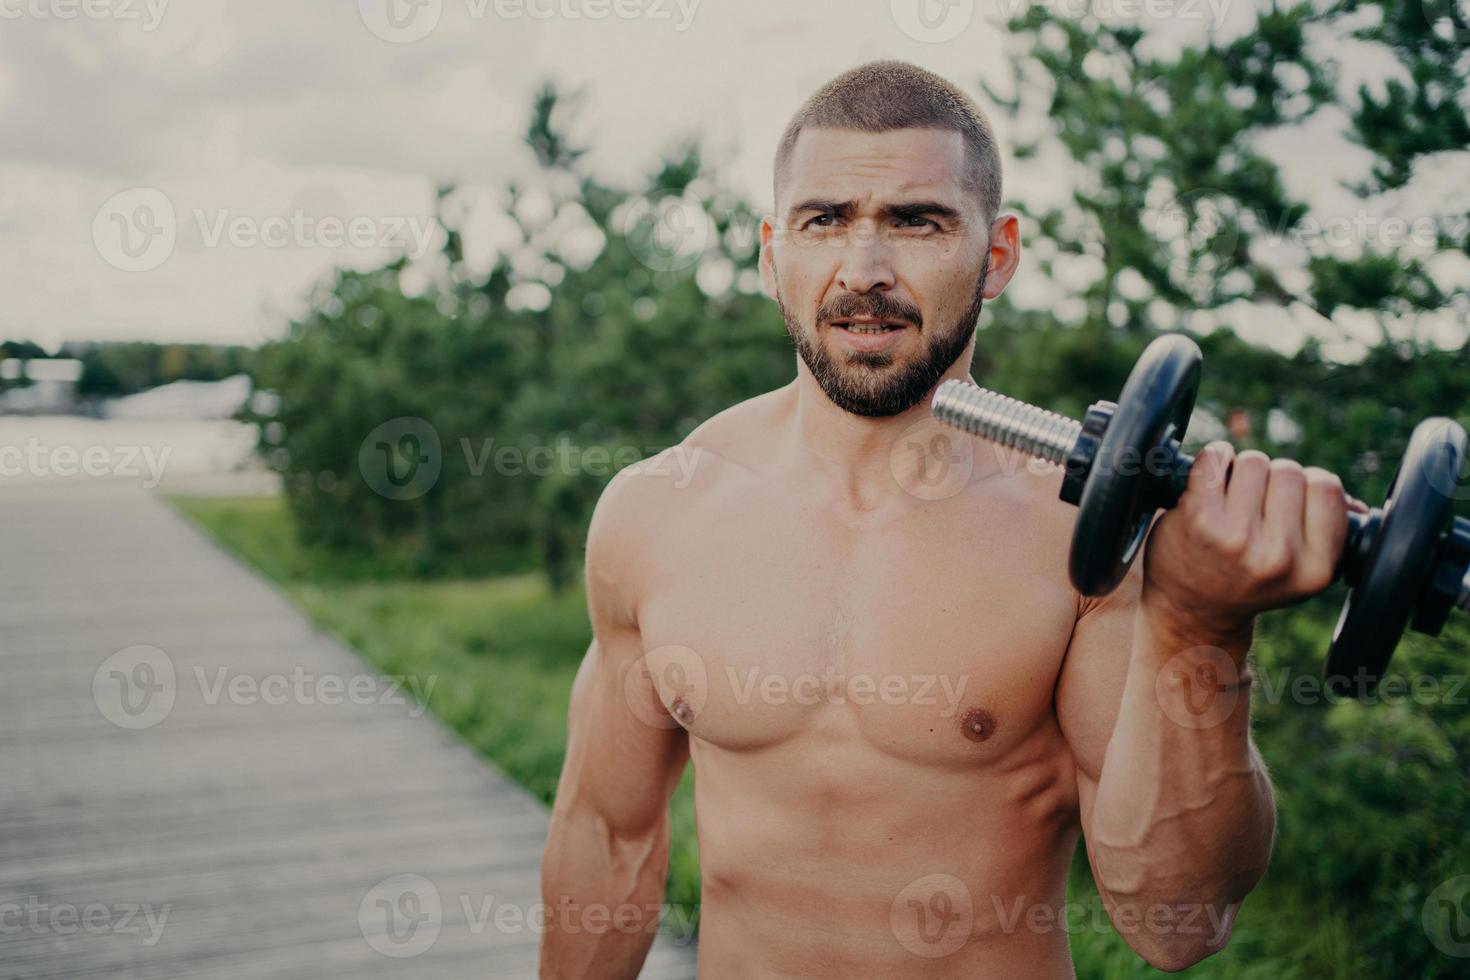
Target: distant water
{"points": [[170, 455]]}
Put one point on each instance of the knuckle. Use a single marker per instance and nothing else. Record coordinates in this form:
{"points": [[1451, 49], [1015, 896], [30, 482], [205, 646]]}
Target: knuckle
{"points": [[1230, 540], [1314, 576], [1273, 563]]}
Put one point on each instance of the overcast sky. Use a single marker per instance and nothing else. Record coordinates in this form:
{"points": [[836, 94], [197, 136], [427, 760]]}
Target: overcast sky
{"points": [[153, 153]]}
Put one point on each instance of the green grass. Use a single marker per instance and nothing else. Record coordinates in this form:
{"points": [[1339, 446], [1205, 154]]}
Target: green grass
{"points": [[503, 651]]}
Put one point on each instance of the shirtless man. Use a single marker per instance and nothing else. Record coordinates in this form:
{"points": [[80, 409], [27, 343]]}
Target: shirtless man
{"points": [[858, 627]]}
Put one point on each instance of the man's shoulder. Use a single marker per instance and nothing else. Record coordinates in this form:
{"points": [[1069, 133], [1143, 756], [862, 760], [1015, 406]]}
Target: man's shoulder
{"points": [[671, 484], [730, 443]]}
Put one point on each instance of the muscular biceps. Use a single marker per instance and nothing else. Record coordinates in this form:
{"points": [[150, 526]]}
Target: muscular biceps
{"points": [[608, 845], [1090, 688], [624, 752]]}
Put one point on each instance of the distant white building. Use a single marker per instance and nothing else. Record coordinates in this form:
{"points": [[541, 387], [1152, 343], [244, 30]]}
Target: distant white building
{"points": [[52, 389], [183, 400]]}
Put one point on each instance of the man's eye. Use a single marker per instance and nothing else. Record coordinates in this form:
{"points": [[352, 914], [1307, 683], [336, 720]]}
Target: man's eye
{"points": [[820, 221], [917, 221]]}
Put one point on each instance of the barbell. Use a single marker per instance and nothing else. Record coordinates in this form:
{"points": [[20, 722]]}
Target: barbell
{"points": [[1405, 563]]}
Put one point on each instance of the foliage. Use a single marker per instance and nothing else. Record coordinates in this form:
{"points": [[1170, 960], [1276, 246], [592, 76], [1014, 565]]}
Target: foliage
{"points": [[114, 369], [535, 375], [1177, 220]]}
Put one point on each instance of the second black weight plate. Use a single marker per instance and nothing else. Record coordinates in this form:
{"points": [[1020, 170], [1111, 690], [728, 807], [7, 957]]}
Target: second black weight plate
{"points": [[1400, 559]]}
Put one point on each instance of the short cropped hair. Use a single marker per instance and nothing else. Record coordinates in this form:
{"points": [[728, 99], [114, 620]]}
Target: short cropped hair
{"points": [[882, 96]]}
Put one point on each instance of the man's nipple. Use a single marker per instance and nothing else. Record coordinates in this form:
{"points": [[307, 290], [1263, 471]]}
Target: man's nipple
{"points": [[977, 725]]}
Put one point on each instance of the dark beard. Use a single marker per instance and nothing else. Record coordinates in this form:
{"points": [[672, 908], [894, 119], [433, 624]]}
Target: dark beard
{"points": [[860, 384]]}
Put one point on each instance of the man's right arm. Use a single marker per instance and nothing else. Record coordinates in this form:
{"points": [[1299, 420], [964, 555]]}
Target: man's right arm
{"points": [[608, 846]]}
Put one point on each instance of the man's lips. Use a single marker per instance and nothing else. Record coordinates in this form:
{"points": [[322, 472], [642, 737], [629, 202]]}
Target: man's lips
{"points": [[867, 333], [867, 321]]}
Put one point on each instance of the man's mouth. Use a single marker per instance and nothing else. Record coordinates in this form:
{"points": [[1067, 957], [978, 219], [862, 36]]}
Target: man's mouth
{"points": [[866, 325]]}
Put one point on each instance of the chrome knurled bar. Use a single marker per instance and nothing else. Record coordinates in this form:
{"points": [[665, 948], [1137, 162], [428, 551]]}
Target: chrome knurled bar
{"points": [[1003, 419]]}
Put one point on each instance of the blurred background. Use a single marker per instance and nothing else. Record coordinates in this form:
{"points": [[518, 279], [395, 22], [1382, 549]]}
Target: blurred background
{"points": [[380, 294]]}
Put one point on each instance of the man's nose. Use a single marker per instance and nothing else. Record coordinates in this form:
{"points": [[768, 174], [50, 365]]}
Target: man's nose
{"points": [[866, 262]]}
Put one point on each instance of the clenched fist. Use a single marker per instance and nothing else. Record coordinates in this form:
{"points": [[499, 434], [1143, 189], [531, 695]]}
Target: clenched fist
{"points": [[1249, 534]]}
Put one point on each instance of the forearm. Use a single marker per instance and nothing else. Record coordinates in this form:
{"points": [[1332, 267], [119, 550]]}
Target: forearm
{"points": [[603, 890], [1183, 818]]}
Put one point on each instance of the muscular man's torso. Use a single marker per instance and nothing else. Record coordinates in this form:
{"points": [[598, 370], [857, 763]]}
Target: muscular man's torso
{"points": [[881, 784]]}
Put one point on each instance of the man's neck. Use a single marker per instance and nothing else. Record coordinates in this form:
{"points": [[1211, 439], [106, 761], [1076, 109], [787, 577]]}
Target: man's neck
{"points": [[864, 463]]}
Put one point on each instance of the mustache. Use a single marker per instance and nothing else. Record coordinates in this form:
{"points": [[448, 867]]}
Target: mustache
{"points": [[870, 304]]}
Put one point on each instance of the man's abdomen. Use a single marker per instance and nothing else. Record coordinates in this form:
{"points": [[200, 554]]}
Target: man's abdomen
{"points": [[862, 864]]}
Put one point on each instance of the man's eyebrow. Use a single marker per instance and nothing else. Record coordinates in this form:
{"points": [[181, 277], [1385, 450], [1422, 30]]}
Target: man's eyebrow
{"points": [[903, 209], [822, 205], [919, 209]]}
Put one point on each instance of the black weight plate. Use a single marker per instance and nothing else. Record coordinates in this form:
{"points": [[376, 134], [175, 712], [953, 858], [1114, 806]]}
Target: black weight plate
{"points": [[1115, 510], [1400, 560]]}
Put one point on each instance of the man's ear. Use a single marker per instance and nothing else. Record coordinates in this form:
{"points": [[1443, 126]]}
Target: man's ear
{"points": [[768, 258], [1005, 253]]}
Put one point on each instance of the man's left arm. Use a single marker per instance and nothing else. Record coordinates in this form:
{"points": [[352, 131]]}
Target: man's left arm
{"points": [[1154, 699]]}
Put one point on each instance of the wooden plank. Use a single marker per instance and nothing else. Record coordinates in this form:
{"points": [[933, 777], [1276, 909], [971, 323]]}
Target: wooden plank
{"points": [[263, 829]]}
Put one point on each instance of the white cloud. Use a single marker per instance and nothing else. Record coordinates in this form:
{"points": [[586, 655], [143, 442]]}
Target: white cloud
{"points": [[261, 108]]}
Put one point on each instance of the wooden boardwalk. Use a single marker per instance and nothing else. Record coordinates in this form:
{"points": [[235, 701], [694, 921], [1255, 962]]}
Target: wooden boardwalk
{"points": [[186, 792]]}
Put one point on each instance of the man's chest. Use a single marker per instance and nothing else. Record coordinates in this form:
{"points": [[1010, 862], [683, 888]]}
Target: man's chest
{"points": [[933, 639]]}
